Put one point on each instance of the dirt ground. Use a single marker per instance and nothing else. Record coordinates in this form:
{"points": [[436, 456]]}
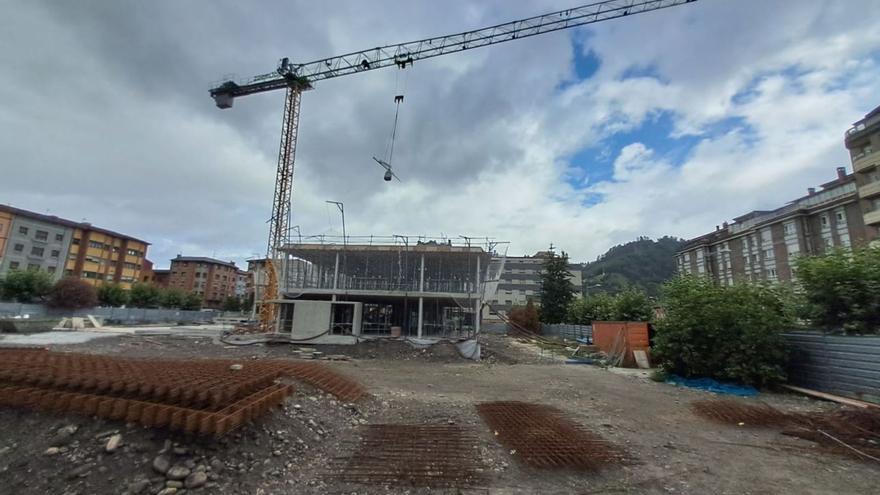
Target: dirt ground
{"points": [[297, 448]]}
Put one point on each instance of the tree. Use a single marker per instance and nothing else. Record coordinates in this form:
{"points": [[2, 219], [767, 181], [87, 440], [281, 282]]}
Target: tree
{"points": [[842, 289], [525, 317], [26, 286], [725, 332], [112, 295], [557, 290], [145, 295], [232, 304], [192, 302], [73, 293], [172, 298], [632, 305]]}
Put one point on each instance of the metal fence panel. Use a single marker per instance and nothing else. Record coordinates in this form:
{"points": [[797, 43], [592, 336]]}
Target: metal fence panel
{"points": [[837, 364], [125, 315], [570, 332]]}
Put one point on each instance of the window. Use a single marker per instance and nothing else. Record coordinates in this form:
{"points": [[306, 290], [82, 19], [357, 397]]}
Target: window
{"points": [[824, 220], [13, 265], [33, 267], [23, 230], [18, 248], [840, 216], [75, 242], [771, 273], [37, 251], [132, 252], [768, 254], [51, 269], [59, 237], [788, 228], [42, 235], [89, 275], [96, 245], [56, 253]]}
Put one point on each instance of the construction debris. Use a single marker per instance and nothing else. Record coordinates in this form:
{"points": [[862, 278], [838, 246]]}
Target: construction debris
{"points": [[541, 436], [852, 432], [204, 396], [422, 455]]}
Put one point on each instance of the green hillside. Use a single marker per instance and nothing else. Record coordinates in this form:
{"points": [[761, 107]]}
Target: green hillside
{"points": [[643, 263]]}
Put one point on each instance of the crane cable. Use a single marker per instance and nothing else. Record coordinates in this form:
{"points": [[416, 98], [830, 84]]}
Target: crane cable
{"points": [[398, 99]]}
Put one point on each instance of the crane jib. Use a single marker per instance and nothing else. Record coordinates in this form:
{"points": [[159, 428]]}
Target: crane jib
{"points": [[304, 75]]}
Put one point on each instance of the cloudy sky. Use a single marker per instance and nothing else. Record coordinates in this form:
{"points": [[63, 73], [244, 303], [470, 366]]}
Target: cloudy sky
{"points": [[666, 123]]}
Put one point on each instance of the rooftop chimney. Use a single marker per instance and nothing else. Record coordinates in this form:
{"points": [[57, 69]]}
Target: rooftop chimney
{"points": [[717, 228], [811, 191], [841, 172]]}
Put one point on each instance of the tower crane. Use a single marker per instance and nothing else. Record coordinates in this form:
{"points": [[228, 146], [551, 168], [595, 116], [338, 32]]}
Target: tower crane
{"points": [[297, 78]]}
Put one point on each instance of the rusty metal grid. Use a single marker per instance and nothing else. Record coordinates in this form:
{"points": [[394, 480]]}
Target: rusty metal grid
{"points": [[148, 413], [326, 379], [414, 455], [542, 437], [739, 413]]}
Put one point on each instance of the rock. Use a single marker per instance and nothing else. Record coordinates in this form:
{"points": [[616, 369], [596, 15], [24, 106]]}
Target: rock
{"points": [[217, 466], [138, 486], [105, 434], [167, 491], [63, 436], [113, 443], [236, 367], [177, 472], [174, 484], [161, 464], [52, 451], [80, 471], [181, 450], [190, 464], [196, 479]]}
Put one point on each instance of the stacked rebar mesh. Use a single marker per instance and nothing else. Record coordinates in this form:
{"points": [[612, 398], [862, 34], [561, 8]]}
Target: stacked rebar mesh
{"points": [[198, 396]]}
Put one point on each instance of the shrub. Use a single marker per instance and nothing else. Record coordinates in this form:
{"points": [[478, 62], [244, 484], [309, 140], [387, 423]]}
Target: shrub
{"points": [[723, 332], [172, 298], [842, 289], [192, 302], [25, 286], [73, 293], [525, 317], [232, 304], [112, 295], [630, 305]]}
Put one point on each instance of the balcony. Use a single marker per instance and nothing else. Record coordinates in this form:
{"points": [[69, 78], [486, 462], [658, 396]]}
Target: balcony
{"points": [[865, 161], [869, 190], [872, 217]]}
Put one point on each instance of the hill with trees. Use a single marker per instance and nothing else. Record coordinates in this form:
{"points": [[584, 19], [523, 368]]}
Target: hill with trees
{"points": [[643, 263]]}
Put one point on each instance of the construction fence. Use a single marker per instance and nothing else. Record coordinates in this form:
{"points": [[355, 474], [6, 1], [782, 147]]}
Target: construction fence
{"points": [[836, 364], [114, 315], [565, 331]]}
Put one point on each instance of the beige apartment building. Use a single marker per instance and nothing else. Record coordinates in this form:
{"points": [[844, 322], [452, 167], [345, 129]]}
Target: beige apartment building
{"points": [[863, 142], [761, 245]]}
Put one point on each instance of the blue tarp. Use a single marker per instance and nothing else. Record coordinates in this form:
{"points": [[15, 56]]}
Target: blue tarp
{"points": [[713, 385]]}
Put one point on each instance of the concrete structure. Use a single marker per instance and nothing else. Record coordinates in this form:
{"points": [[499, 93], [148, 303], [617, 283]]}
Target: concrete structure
{"points": [[863, 142], [60, 247], [213, 280], [761, 245], [424, 289], [520, 280]]}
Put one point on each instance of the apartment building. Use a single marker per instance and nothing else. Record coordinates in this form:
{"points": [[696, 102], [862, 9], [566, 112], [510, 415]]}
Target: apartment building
{"points": [[863, 142], [520, 280], [241, 283], [761, 245], [213, 280], [60, 247]]}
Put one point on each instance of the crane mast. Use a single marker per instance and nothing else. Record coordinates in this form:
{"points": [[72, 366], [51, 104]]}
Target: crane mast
{"points": [[297, 78]]}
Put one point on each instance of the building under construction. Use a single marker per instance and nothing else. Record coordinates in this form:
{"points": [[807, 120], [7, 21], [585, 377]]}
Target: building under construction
{"points": [[336, 292]]}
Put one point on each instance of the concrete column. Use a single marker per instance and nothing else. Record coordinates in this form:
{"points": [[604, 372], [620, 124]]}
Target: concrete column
{"points": [[336, 273], [421, 309], [479, 302]]}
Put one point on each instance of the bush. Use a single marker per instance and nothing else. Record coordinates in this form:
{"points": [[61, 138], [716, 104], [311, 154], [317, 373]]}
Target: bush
{"points": [[172, 298], [25, 286], [723, 332], [232, 304], [112, 295], [73, 293], [842, 289], [191, 302], [525, 317], [629, 305]]}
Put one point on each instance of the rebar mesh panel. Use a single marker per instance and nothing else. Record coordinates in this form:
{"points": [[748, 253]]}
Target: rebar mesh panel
{"points": [[416, 455], [541, 436]]}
